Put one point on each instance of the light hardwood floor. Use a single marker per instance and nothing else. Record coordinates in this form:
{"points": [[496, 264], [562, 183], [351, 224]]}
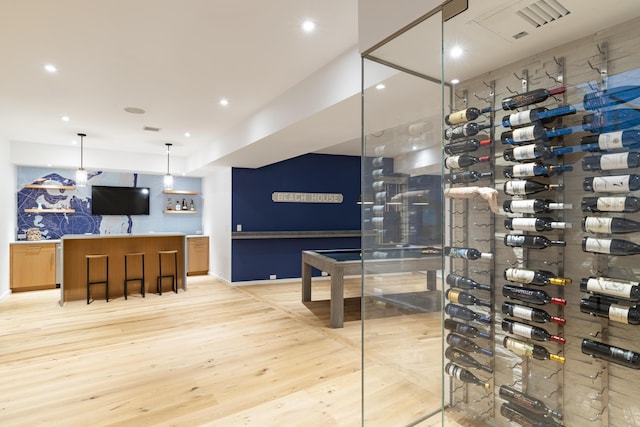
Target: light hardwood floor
{"points": [[214, 355]]}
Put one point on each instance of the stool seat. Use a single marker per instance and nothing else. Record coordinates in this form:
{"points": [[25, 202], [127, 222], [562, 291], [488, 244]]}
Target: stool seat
{"points": [[104, 281], [137, 278], [167, 275]]}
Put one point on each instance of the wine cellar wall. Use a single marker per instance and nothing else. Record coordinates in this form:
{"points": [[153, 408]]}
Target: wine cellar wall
{"points": [[542, 261]]}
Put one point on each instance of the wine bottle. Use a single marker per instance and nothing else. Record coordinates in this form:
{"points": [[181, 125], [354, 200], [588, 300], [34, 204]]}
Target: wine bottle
{"points": [[467, 129], [462, 358], [611, 140], [178, 205], [612, 184], [602, 306], [530, 313], [534, 169], [594, 224], [192, 206], [534, 277], [533, 206], [467, 176], [611, 161], [534, 224], [617, 288], [609, 97], [459, 147], [534, 332], [610, 246], [465, 115], [540, 114], [464, 375], [535, 351], [520, 415], [464, 343], [463, 161], [169, 204], [466, 253], [528, 98], [532, 133], [532, 242], [611, 120], [528, 152], [531, 295], [464, 298], [628, 204], [464, 313], [610, 353], [533, 404], [468, 331], [525, 187], [465, 283]]}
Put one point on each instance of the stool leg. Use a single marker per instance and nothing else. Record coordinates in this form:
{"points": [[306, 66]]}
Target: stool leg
{"points": [[88, 285], [107, 280], [175, 275], [160, 276], [126, 276], [143, 281]]}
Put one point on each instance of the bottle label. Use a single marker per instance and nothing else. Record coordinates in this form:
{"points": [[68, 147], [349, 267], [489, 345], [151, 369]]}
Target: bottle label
{"points": [[458, 253], [517, 119], [524, 170], [614, 161], [522, 206], [518, 347], [525, 152], [618, 313], [453, 296], [615, 184], [620, 354], [452, 162], [610, 141], [523, 134], [598, 224], [516, 187], [525, 224], [458, 117], [520, 275], [515, 240], [602, 246], [607, 286], [522, 330], [610, 204]]}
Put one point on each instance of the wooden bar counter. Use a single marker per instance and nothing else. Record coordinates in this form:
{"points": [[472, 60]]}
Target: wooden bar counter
{"points": [[74, 265]]}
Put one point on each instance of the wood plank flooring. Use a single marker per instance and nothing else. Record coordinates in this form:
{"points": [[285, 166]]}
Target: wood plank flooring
{"points": [[215, 355]]}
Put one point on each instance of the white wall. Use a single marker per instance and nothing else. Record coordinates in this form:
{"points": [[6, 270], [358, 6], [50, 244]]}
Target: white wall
{"points": [[8, 214], [216, 220]]}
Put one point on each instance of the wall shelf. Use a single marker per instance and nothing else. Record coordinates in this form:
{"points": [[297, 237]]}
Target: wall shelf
{"points": [[179, 212], [50, 210], [51, 187], [186, 192]]}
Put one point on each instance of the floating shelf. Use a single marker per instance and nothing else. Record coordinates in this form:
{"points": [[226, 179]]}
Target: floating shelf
{"points": [[51, 187], [50, 210], [179, 212], [179, 192]]}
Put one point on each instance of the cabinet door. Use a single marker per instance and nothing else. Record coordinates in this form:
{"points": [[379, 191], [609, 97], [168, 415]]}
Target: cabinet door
{"points": [[33, 266], [198, 256]]}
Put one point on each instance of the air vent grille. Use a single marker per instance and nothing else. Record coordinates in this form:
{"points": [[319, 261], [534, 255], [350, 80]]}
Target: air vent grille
{"points": [[542, 12], [151, 129]]}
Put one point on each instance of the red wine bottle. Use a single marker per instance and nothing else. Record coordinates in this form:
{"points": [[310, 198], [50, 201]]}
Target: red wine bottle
{"points": [[467, 129], [462, 282], [531, 242], [463, 161], [596, 224], [464, 375], [530, 313], [468, 331], [534, 224], [610, 246], [611, 120], [464, 313], [601, 306], [533, 206], [534, 277], [528, 152], [628, 204], [466, 344], [533, 404], [612, 161], [531, 295], [610, 97], [534, 332], [464, 298], [459, 147], [612, 184], [611, 141], [531, 97], [525, 187], [535, 351], [610, 353], [467, 176], [540, 114], [532, 133], [617, 288], [520, 415], [462, 358], [534, 169], [464, 116], [466, 253]]}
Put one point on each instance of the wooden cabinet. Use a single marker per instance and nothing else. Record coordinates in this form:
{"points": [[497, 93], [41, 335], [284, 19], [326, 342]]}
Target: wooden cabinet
{"points": [[33, 266], [197, 255]]}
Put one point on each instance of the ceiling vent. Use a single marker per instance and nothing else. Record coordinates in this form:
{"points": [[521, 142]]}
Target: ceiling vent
{"points": [[151, 129], [542, 12]]}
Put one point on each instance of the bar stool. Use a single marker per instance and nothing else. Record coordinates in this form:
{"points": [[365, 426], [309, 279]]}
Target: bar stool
{"points": [[104, 281], [139, 278], [173, 276]]}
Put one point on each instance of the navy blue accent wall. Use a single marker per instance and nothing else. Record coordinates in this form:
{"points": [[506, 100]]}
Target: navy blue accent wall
{"points": [[253, 208]]}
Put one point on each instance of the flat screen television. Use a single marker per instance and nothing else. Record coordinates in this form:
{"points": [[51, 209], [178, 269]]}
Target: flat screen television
{"points": [[107, 200]]}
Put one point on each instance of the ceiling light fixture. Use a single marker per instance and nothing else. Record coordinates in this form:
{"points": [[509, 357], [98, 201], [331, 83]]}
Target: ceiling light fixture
{"points": [[168, 179], [455, 81], [81, 173], [308, 26], [187, 135], [380, 86], [50, 68], [456, 52], [65, 118], [224, 102]]}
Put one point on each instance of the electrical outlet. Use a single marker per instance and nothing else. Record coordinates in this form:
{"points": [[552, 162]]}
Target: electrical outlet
{"points": [[272, 277], [238, 227]]}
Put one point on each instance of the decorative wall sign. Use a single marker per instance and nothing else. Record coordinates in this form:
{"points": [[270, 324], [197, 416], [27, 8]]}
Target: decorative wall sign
{"points": [[283, 197]]}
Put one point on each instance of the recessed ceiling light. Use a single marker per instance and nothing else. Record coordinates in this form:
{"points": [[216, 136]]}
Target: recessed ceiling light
{"points": [[50, 68], [187, 135], [74, 142], [224, 102], [455, 81], [380, 86], [308, 26], [65, 118], [456, 52], [134, 110]]}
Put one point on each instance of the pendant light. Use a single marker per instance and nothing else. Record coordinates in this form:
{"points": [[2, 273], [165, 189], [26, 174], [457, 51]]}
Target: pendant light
{"points": [[81, 173], [168, 179]]}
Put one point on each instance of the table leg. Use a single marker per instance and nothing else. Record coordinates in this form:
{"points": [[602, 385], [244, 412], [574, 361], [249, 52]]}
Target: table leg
{"points": [[306, 281], [337, 298], [431, 280]]}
